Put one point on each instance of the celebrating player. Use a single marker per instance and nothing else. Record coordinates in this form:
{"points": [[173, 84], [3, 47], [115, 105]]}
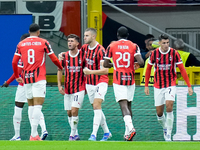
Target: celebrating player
{"points": [[33, 51], [20, 100], [96, 81], [124, 52], [73, 62], [165, 60]]}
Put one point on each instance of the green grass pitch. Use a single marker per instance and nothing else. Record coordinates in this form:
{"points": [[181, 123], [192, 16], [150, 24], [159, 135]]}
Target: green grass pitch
{"points": [[89, 145]]}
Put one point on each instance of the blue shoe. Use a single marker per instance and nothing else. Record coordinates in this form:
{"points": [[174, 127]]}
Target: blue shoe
{"points": [[15, 139], [71, 138], [44, 135], [106, 136], [92, 138], [76, 137]]}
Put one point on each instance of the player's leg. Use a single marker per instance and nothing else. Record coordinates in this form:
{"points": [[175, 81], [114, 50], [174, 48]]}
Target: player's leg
{"points": [[38, 92], [20, 99], [91, 94], [159, 102], [170, 98], [100, 93], [124, 95], [68, 98], [76, 105], [43, 127], [97, 115]]}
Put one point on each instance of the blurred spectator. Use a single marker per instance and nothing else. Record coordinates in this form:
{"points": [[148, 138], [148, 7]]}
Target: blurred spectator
{"points": [[188, 58], [145, 53]]}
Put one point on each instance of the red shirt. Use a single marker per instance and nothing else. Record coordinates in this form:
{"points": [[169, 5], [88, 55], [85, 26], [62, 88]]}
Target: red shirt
{"points": [[123, 53], [33, 54], [164, 67], [93, 58], [74, 76]]}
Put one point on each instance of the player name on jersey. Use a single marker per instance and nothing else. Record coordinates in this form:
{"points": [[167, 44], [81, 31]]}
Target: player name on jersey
{"points": [[31, 43]]}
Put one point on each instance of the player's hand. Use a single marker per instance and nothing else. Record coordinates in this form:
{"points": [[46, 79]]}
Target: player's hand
{"points": [[86, 71], [190, 91], [5, 84], [60, 57], [146, 90], [61, 90], [19, 80], [136, 65]]}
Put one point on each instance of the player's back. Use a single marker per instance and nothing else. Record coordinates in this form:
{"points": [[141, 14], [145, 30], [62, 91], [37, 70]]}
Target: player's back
{"points": [[123, 52], [32, 50], [33, 54]]}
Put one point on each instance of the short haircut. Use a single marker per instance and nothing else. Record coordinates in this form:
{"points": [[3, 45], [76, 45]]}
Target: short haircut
{"points": [[179, 44], [34, 27], [76, 37], [93, 30], [24, 36], [148, 36], [163, 37], [122, 32]]}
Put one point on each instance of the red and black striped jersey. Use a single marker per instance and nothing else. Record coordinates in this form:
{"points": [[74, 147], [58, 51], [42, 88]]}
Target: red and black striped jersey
{"points": [[122, 53], [164, 67], [33, 54], [74, 76], [93, 58]]}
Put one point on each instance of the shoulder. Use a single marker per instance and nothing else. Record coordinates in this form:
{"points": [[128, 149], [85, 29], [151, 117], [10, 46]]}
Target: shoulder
{"points": [[84, 46], [101, 47]]}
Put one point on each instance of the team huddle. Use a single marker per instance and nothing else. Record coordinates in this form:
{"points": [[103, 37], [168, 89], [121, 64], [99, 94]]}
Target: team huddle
{"points": [[86, 72]]}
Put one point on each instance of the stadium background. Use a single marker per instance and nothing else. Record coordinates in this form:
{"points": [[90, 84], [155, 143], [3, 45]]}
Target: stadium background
{"points": [[144, 117]]}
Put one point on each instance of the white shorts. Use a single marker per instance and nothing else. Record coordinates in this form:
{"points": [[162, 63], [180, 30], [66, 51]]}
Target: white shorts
{"points": [[161, 95], [124, 92], [37, 89], [20, 95], [73, 100], [96, 91]]}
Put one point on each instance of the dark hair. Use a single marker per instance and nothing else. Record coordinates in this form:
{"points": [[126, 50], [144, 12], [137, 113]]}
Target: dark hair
{"points": [[151, 39], [76, 37], [122, 32], [34, 27], [148, 36], [178, 44], [163, 36], [24, 36]]}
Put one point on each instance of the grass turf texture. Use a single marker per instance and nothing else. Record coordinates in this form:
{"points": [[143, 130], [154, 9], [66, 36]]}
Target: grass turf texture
{"points": [[89, 145]]}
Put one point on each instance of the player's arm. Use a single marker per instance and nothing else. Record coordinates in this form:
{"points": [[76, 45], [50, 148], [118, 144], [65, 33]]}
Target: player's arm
{"points": [[59, 79], [101, 71], [55, 60], [185, 77], [15, 68], [139, 59], [107, 63], [147, 76]]}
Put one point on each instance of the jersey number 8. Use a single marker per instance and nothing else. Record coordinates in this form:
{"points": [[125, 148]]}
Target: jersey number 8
{"points": [[31, 56]]}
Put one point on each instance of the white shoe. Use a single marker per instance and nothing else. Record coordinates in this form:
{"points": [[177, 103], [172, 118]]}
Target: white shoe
{"points": [[165, 133], [168, 138], [15, 139], [44, 135]]}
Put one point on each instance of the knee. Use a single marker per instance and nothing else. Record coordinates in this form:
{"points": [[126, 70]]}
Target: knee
{"points": [[159, 113], [69, 113], [74, 112], [96, 106]]}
